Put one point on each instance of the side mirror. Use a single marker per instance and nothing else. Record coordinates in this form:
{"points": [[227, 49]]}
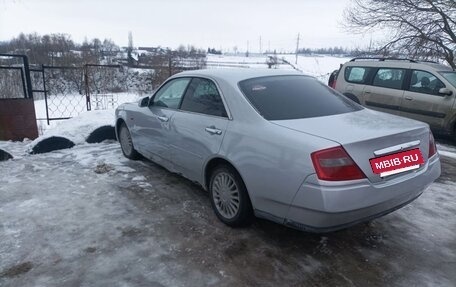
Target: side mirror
{"points": [[445, 92], [144, 102]]}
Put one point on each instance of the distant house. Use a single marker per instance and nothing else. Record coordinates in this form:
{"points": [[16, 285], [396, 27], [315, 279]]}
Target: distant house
{"points": [[153, 50]]}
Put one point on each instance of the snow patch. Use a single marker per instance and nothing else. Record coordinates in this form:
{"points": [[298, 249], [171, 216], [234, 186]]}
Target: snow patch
{"points": [[77, 129], [139, 178], [447, 153]]}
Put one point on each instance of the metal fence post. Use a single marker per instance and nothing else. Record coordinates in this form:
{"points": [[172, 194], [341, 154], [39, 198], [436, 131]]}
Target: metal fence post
{"points": [[27, 76], [87, 89], [45, 94]]}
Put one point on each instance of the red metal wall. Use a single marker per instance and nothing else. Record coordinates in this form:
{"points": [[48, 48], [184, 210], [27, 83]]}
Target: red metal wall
{"points": [[17, 119]]}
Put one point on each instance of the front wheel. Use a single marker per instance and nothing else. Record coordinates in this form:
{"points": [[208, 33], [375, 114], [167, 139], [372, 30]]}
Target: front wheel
{"points": [[229, 197], [126, 143]]}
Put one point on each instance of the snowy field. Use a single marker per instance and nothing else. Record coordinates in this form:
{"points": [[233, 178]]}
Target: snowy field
{"points": [[317, 66]]}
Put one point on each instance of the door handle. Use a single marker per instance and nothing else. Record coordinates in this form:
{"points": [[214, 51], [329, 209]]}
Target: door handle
{"points": [[408, 98], [367, 92], [163, 119], [213, 130]]}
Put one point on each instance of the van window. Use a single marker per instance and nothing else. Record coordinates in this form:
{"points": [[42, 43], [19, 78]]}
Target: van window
{"points": [[389, 78], [356, 74], [426, 83]]}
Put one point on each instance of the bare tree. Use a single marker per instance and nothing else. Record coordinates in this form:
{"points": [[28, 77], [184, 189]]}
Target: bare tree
{"points": [[130, 48], [422, 28]]}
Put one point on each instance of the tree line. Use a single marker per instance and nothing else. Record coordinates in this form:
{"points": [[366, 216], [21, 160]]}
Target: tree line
{"points": [[61, 50]]}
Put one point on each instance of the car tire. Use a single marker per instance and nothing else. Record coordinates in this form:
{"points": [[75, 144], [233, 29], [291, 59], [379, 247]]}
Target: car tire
{"points": [[126, 143], [229, 197], [353, 98]]}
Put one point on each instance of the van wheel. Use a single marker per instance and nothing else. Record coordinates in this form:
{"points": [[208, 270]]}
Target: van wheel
{"points": [[352, 97]]}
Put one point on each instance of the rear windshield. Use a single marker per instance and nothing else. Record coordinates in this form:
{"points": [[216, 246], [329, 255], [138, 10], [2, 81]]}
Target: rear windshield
{"points": [[294, 97]]}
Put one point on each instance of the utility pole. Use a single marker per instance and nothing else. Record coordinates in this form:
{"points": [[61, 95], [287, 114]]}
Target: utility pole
{"points": [[247, 52], [260, 44], [297, 49]]}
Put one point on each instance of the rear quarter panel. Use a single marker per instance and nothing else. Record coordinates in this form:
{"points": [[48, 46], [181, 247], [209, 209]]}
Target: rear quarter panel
{"points": [[273, 162], [353, 91]]}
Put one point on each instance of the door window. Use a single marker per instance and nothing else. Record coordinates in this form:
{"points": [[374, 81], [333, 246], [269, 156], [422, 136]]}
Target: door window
{"points": [[426, 83], [356, 74], [389, 78], [203, 97], [170, 95]]}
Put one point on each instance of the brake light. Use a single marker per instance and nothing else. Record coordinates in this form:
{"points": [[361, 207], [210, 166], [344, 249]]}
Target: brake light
{"points": [[333, 84], [335, 164], [432, 146]]}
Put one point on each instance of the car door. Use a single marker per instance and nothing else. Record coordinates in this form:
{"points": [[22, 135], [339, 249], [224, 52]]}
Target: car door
{"points": [[422, 100], [353, 82], [154, 122], [385, 94], [198, 127]]}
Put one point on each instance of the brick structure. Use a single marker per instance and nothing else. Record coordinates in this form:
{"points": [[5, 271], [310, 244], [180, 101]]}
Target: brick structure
{"points": [[17, 119]]}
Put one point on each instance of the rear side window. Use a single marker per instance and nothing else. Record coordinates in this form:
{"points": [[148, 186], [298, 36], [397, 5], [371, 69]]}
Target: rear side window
{"points": [[389, 78], [357, 74], [294, 97]]}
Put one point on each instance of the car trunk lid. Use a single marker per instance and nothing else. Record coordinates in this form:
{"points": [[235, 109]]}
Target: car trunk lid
{"points": [[366, 134]]}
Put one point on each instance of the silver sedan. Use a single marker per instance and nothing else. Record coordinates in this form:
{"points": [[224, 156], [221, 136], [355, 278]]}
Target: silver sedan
{"points": [[282, 146]]}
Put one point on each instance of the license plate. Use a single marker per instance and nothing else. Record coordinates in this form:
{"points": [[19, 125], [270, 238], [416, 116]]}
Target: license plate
{"points": [[397, 163]]}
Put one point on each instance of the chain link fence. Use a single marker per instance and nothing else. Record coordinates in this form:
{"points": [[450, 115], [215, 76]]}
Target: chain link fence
{"points": [[12, 83]]}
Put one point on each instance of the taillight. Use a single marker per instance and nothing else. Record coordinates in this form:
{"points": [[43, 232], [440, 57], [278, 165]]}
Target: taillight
{"points": [[333, 84], [335, 164], [432, 146]]}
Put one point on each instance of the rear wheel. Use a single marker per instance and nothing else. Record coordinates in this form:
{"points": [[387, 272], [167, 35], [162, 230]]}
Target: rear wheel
{"points": [[352, 97], [126, 143], [229, 197]]}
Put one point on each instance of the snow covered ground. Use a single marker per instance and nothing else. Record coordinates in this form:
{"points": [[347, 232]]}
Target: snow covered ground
{"points": [[447, 150], [87, 216]]}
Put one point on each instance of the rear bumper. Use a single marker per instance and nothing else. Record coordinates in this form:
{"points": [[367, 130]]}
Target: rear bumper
{"points": [[323, 206]]}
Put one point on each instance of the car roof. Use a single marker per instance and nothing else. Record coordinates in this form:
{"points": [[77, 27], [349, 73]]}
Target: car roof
{"points": [[396, 63], [235, 75]]}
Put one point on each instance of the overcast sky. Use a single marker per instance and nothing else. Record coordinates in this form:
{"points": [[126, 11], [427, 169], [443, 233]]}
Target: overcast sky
{"points": [[203, 23]]}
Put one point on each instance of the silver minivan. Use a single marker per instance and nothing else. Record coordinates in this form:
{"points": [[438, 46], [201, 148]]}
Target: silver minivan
{"points": [[424, 91]]}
